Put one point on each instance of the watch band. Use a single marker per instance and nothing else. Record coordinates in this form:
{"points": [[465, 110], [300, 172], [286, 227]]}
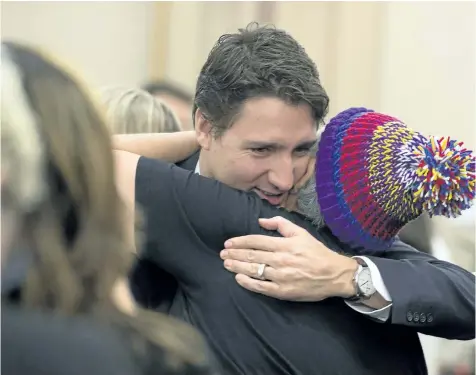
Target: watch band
{"points": [[357, 295]]}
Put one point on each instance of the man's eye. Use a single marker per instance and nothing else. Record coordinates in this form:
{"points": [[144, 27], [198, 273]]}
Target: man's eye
{"points": [[261, 150], [303, 150]]}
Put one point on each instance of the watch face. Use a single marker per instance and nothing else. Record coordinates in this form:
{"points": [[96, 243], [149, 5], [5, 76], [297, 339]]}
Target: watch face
{"points": [[365, 283]]}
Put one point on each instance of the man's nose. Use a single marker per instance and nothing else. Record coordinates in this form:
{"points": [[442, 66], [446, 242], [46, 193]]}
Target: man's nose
{"points": [[281, 176]]}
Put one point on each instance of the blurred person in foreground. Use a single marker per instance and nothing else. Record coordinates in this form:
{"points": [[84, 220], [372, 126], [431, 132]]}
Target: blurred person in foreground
{"points": [[180, 100], [66, 308], [257, 136], [133, 110]]}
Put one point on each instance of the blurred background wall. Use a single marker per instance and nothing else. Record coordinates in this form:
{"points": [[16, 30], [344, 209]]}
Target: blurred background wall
{"points": [[416, 60], [107, 42]]}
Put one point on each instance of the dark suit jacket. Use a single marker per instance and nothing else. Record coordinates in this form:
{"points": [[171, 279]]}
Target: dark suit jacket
{"points": [[432, 296], [151, 286]]}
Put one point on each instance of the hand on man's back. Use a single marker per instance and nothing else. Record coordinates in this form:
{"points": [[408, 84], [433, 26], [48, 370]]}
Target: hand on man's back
{"points": [[298, 267]]}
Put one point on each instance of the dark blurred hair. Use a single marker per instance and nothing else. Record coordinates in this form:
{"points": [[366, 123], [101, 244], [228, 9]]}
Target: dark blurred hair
{"points": [[256, 62], [164, 87]]}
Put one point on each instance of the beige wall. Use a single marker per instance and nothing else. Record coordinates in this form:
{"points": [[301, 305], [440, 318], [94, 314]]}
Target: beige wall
{"points": [[194, 27], [415, 60], [343, 39], [429, 67], [108, 42]]}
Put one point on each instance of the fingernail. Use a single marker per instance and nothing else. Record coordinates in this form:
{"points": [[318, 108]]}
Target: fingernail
{"points": [[223, 254], [228, 244], [227, 263]]}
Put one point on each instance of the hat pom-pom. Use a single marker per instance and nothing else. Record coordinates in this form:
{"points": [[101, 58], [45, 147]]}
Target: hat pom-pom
{"points": [[444, 184]]}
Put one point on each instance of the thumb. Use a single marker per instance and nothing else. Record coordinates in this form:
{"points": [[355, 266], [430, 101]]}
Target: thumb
{"points": [[282, 225]]}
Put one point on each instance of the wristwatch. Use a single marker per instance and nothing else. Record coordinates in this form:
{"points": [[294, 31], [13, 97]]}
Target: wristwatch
{"points": [[362, 280]]}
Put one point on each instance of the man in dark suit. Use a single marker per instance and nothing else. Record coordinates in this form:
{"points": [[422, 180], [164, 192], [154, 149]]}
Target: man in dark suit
{"points": [[257, 107]]}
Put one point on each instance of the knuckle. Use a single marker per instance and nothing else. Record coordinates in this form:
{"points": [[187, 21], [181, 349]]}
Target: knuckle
{"points": [[250, 256], [297, 250], [280, 259], [287, 260]]}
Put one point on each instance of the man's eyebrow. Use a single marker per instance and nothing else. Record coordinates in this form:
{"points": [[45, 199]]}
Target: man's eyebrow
{"points": [[262, 144], [307, 144], [276, 145]]}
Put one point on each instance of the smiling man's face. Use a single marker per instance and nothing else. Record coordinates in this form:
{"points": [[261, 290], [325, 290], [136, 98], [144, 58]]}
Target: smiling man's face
{"points": [[266, 150]]}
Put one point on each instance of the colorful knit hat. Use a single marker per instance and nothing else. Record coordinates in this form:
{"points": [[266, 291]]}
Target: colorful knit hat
{"points": [[374, 175]]}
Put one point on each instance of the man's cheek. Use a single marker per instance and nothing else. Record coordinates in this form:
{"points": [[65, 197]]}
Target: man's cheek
{"points": [[239, 174], [250, 172]]}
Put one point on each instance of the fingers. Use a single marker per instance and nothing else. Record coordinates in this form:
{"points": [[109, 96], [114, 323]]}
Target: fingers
{"points": [[267, 288], [282, 225], [268, 243], [259, 242], [249, 256], [249, 269]]}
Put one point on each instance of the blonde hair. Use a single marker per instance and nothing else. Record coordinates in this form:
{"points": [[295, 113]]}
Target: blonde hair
{"points": [[23, 166], [74, 228], [133, 110]]}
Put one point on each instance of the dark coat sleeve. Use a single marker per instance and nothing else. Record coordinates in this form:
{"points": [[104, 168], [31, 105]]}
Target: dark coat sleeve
{"points": [[435, 297]]}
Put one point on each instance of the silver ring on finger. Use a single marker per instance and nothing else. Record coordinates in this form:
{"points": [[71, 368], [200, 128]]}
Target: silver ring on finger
{"points": [[260, 273]]}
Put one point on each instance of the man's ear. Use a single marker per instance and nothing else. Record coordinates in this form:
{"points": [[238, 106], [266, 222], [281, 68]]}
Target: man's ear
{"points": [[203, 130]]}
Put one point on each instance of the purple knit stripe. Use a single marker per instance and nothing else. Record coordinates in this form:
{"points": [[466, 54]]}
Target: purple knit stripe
{"points": [[334, 207], [325, 168], [354, 201]]}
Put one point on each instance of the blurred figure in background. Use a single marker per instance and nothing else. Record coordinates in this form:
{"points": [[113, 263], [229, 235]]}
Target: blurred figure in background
{"points": [[460, 234], [133, 110], [66, 308], [180, 100], [454, 241], [418, 234]]}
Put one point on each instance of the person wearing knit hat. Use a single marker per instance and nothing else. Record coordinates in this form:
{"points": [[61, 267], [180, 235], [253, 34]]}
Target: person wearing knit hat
{"points": [[374, 175]]}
